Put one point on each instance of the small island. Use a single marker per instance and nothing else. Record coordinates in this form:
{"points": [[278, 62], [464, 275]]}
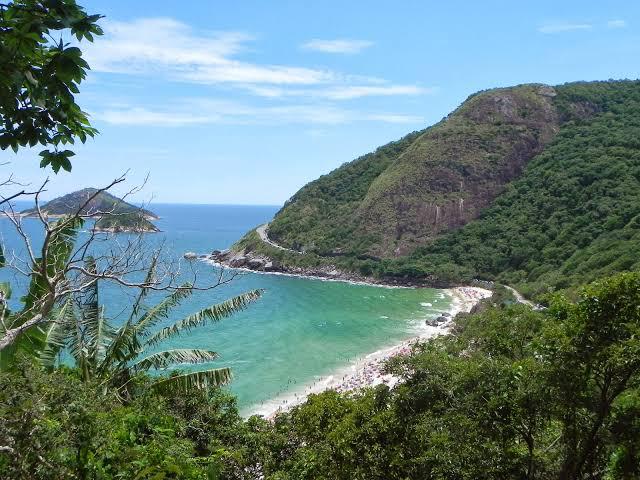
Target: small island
{"points": [[111, 213], [134, 222]]}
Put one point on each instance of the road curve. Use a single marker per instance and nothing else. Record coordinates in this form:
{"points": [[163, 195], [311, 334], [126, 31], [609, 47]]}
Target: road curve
{"points": [[263, 230], [519, 297]]}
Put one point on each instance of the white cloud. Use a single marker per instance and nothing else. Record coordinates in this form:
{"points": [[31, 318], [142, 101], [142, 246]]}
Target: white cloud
{"points": [[358, 91], [168, 49], [227, 112], [392, 118], [616, 23], [238, 72], [337, 46], [341, 92], [164, 45], [563, 27], [137, 116]]}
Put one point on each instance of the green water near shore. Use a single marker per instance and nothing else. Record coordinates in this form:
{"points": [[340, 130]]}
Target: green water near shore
{"points": [[304, 329]]}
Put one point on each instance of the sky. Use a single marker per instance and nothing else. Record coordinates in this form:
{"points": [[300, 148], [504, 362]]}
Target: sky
{"points": [[222, 102]]}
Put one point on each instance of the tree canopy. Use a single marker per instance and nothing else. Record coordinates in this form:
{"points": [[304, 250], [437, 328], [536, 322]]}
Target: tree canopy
{"points": [[41, 69]]}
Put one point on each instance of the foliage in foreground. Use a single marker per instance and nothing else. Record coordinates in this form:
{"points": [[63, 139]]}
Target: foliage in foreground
{"points": [[114, 356], [54, 426], [515, 393], [40, 74]]}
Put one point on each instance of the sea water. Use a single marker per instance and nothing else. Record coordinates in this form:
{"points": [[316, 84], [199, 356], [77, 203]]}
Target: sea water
{"points": [[299, 331]]}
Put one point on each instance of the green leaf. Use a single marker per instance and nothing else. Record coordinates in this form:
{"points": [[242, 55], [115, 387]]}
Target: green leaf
{"points": [[201, 380], [160, 311], [167, 358], [214, 313]]}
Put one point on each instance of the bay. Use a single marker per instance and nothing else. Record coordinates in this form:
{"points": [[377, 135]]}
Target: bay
{"points": [[299, 331]]}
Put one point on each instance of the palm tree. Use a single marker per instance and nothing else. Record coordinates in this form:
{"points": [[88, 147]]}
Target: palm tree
{"points": [[39, 299], [114, 356]]}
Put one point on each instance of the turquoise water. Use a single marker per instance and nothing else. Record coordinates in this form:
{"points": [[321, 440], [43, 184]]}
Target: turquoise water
{"points": [[300, 330]]}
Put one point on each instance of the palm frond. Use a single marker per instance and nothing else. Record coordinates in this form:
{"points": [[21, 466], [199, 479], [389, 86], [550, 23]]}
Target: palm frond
{"points": [[125, 343], [96, 330], [200, 380], [161, 310], [102, 336], [123, 346], [214, 313], [177, 356], [55, 333]]}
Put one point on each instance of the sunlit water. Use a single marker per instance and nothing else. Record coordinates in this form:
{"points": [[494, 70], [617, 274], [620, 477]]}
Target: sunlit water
{"points": [[300, 330]]}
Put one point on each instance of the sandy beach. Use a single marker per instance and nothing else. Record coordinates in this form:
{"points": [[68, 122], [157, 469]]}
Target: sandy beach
{"points": [[367, 371]]}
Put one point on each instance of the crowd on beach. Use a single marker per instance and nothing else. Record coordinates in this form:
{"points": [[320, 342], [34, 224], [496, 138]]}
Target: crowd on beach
{"points": [[369, 371]]}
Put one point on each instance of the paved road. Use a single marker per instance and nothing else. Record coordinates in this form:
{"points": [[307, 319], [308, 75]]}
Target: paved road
{"points": [[519, 296], [264, 236], [263, 232]]}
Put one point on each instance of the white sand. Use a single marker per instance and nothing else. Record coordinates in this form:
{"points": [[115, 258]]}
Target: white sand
{"points": [[368, 370]]}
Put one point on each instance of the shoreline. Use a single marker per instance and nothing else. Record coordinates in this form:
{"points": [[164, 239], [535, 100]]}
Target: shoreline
{"points": [[344, 278], [329, 274], [366, 371]]}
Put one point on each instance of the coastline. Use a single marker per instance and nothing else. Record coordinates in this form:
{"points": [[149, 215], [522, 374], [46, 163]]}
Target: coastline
{"points": [[366, 371], [343, 278], [328, 274]]}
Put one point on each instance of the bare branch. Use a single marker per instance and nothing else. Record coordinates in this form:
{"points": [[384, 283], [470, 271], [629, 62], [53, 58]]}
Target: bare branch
{"points": [[63, 271]]}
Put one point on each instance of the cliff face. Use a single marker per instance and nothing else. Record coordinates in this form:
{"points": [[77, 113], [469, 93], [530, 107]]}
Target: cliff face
{"points": [[428, 183], [454, 170]]}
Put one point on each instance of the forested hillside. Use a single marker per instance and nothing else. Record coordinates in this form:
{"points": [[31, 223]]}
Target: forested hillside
{"points": [[572, 217], [387, 203], [532, 186]]}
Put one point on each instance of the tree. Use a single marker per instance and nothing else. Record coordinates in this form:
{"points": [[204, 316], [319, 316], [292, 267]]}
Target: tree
{"points": [[58, 269], [594, 354], [114, 356], [39, 74], [54, 426]]}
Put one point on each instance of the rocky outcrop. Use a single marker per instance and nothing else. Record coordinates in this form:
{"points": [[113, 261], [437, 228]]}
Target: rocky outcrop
{"points": [[437, 321], [249, 260], [246, 260]]}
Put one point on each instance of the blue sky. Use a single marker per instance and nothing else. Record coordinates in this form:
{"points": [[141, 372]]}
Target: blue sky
{"points": [[245, 102]]}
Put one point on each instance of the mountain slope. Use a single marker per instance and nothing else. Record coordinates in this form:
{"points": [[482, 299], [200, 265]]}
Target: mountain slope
{"points": [[103, 203], [432, 182], [530, 185], [574, 214]]}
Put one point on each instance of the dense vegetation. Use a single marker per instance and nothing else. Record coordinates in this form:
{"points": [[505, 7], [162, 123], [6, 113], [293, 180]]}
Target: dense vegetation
{"points": [[126, 222], [572, 216], [319, 216], [514, 393]]}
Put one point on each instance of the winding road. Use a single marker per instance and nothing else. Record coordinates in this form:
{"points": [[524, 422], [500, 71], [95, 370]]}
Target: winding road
{"points": [[263, 230], [519, 297]]}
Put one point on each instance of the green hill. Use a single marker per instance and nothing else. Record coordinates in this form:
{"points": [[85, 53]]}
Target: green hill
{"points": [[530, 185], [133, 222], [101, 204]]}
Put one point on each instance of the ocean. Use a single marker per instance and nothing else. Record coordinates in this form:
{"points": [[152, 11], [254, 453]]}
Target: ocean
{"points": [[300, 331]]}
